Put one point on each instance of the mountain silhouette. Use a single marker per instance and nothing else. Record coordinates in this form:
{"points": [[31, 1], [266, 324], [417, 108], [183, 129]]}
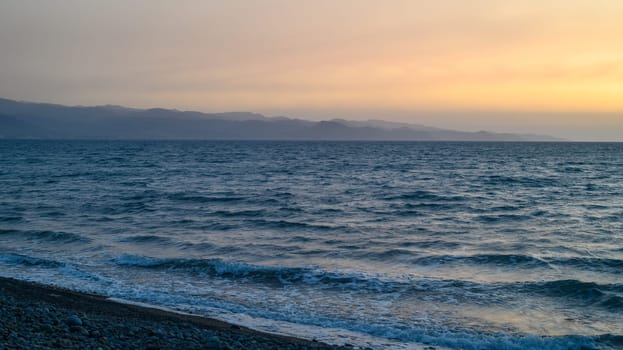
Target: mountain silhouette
{"points": [[28, 120]]}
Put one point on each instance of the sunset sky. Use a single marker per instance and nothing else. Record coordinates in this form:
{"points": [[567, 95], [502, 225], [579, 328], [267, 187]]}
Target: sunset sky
{"points": [[532, 66]]}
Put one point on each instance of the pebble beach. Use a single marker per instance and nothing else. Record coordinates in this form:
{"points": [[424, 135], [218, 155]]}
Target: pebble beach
{"points": [[35, 316]]}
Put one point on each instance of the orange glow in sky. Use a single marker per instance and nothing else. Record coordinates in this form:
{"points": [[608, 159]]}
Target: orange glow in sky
{"points": [[326, 58]]}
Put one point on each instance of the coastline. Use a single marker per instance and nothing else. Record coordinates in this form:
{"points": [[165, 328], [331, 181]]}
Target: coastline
{"points": [[36, 316]]}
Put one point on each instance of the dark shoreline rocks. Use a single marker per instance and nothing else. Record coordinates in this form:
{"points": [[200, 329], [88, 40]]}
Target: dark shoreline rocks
{"points": [[34, 316]]}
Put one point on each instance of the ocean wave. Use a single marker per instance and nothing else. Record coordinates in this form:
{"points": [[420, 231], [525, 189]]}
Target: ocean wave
{"points": [[425, 195], [203, 246], [387, 254], [278, 275], [429, 334], [11, 218], [126, 208], [300, 239], [25, 260], [197, 198], [502, 218], [425, 205], [240, 213], [146, 239], [430, 244], [211, 266], [51, 266], [48, 236], [480, 292], [573, 288], [510, 260], [567, 288], [74, 174], [219, 226], [500, 180], [284, 224], [612, 302], [592, 264], [606, 296], [572, 169]]}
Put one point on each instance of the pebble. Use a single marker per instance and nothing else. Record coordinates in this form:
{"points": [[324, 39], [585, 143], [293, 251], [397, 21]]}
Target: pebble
{"points": [[79, 330], [73, 320], [213, 343]]}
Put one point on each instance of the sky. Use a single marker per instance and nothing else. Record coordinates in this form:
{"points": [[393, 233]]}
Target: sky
{"points": [[551, 66]]}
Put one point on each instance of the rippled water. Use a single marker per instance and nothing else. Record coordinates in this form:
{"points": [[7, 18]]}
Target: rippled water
{"points": [[467, 245]]}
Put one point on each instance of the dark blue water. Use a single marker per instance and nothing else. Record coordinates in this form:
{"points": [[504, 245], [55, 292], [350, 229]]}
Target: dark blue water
{"points": [[459, 245]]}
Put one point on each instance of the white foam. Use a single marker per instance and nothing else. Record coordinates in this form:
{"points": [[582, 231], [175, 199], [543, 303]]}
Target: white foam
{"points": [[333, 336]]}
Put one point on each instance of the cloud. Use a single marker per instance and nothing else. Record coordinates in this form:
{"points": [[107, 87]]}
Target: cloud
{"points": [[361, 55]]}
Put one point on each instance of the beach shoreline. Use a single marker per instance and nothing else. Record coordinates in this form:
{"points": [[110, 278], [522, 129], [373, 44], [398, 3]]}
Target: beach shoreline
{"points": [[36, 316]]}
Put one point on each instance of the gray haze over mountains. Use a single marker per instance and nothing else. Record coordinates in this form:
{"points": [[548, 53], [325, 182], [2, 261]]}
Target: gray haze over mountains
{"points": [[27, 120]]}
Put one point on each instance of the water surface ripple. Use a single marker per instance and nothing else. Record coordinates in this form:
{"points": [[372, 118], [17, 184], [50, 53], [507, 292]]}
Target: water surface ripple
{"points": [[386, 244]]}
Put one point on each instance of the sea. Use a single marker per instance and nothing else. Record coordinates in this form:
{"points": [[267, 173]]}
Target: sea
{"points": [[386, 245]]}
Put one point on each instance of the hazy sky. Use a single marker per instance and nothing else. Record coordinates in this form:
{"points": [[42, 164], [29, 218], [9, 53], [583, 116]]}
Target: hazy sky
{"points": [[543, 66]]}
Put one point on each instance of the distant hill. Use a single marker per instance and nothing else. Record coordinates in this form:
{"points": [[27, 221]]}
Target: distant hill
{"points": [[27, 120]]}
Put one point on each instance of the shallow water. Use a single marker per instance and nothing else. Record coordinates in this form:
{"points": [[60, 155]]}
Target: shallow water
{"points": [[467, 245]]}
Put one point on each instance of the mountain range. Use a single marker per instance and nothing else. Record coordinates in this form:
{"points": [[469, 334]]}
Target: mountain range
{"points": [[28, 120]]}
